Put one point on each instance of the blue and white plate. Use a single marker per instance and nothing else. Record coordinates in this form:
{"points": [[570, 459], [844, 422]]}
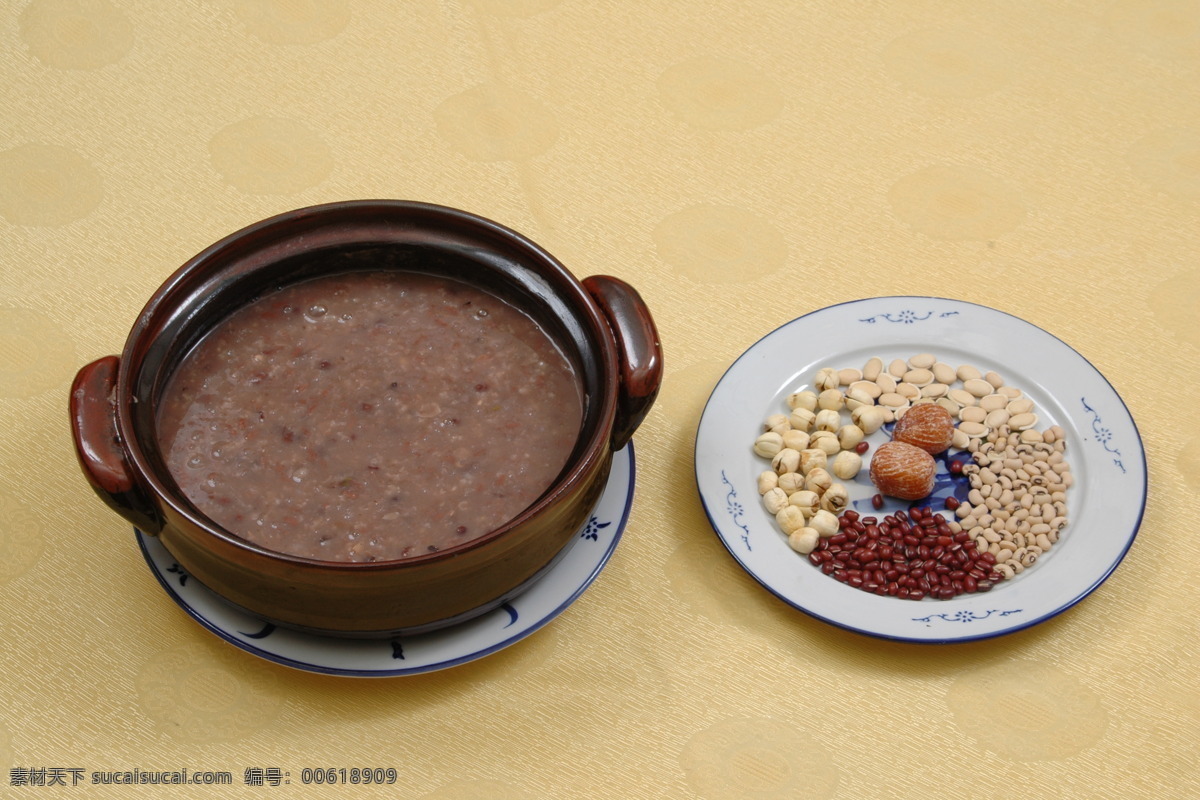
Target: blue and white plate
{"points": [[1104, 450], [449, 647]]}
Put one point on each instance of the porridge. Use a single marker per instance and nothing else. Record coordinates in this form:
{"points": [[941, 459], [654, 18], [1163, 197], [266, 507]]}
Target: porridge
{"points": [[370, 417]]}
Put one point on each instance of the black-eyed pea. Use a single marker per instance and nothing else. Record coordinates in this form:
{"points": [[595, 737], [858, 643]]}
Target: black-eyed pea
{"points": [[825, 440], [796, 440], [872, 368], [768, 444], [835, 499], [827, 420], [812, 458], [790, 519], [825, 523], [847, 464], [786, 460], [791, 482], [767, 481], [804, 541], [805, 399], [774, 500], [818, 480], [808, 501]]}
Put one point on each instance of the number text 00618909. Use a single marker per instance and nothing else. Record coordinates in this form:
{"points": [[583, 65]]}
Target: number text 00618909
{"points": [[354, 775]]}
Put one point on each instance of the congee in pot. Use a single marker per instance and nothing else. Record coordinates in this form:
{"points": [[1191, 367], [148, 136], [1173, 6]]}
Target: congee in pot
{"points": [[370, 416]]}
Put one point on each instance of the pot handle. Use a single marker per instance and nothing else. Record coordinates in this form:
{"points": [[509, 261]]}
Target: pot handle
{"points": [[638, 348], [98, 445]]}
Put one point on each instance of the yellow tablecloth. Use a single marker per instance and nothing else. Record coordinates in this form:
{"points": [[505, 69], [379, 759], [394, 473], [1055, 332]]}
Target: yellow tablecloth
{"points": [[741, 164]]}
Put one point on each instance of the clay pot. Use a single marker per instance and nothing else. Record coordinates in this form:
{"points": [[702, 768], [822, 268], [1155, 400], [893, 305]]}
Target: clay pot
{"points": [[600, 323]]}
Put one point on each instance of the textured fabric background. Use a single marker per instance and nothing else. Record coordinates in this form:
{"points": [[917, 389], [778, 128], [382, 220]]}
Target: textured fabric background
{"points": [[741, 164]]}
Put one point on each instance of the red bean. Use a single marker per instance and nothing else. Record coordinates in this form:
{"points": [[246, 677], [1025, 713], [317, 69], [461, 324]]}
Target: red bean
{"points": [[862, 447], [911, 554], [877, 501]]}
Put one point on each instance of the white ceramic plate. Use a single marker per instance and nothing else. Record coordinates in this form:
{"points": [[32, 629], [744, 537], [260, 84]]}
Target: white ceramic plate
{"points": [[474, 639], [1104, 450]]}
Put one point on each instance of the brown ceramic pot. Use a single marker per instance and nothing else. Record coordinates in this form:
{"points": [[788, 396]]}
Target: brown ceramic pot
{"points": [[601, 323]]}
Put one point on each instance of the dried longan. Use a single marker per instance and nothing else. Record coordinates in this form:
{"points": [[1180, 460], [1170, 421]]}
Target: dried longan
{"points": [[899, 469], [927, 426]]}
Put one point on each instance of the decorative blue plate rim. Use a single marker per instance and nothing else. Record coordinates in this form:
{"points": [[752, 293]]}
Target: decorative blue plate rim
{"points": [[458, 644], [1104, 448]]}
